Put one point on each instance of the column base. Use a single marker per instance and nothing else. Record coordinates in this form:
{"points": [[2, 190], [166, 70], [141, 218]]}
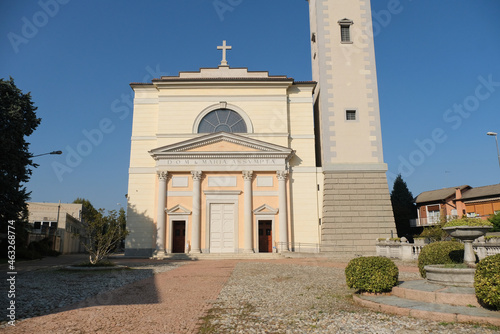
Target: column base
{"points": [[159, 254], [195, 251], [248, 251]]}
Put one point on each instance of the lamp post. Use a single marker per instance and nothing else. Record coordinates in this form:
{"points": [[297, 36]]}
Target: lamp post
{"points": [[494, 134], [53, 152]]}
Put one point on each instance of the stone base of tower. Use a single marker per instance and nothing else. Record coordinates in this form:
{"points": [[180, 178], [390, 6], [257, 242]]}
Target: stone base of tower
{"points": [[356, 212]]}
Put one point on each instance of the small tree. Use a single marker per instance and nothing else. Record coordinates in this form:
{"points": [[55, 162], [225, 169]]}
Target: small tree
{"points": [[103, 233], [403, 207]]}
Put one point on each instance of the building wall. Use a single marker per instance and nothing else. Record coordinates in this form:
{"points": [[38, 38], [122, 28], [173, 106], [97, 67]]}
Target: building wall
{"points": [[483, 209], [279, 113], [356, 204], [68, 218]]}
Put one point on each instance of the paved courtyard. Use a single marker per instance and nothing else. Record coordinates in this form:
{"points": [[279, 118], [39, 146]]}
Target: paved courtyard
{"points": [[208, 296]]}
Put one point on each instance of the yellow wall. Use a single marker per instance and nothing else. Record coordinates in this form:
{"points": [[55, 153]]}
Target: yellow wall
{"points": [[280, 114]]}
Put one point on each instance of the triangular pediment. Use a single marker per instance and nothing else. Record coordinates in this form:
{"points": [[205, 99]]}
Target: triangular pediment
{"points": [[223, 146], [265, 210], [178, 210], [220, 143]]}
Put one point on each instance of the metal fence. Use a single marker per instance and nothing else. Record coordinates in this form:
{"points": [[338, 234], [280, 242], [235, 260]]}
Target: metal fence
{"points": [[299, 247]]}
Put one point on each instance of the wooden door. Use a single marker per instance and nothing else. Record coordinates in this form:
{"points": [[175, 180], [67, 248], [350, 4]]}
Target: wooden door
{"points": [[222, 228], [265, 236], [179, 237]]}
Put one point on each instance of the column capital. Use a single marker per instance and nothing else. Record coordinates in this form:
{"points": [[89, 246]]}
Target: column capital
{"points": [[247, 175], [162, 175], [282, 175], [196, 174]]}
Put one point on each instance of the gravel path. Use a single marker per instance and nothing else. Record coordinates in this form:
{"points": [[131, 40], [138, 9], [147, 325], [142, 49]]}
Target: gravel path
{"points": [[224, 296], [291, 298], [37, 294], [168, 302]]}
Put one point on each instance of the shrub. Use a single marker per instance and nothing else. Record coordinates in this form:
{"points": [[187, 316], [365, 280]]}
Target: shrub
{"points": [[487, 281], [468, 222], [371, 274], [27, 254], [495, 220], [43, 247], [441, 252], [434, 233]]}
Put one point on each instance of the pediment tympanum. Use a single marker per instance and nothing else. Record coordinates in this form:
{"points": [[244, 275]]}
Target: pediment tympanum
{"points": [[222, 149]]}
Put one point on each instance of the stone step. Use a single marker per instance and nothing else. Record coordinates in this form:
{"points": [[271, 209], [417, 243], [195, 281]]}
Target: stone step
{"points": [[223, 256], [421, 290], [431, 311]]}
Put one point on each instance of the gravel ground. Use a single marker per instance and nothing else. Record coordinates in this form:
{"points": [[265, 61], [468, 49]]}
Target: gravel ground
{"points": [[283, 298], [36, 293]]}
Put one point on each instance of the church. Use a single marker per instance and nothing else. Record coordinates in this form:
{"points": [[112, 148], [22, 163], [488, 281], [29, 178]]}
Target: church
{"points": [[227, 160]]}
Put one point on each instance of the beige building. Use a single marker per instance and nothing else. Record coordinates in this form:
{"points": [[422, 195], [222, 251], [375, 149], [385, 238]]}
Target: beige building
{"points": [[226, 160], [59, 222]]}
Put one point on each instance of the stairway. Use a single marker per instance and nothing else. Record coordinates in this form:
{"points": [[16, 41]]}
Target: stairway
{"points": [[421, 299]]}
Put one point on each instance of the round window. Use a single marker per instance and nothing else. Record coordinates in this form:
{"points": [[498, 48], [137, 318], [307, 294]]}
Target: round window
{"points": [[222, 120]]}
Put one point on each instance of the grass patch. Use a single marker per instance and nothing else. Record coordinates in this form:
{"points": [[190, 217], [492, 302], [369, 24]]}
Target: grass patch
{"points": [[443, 323], [99, 264], [206, 326]]}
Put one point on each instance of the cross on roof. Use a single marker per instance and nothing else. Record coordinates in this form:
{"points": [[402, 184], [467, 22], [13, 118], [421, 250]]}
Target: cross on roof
{"points": [[224, 48]]}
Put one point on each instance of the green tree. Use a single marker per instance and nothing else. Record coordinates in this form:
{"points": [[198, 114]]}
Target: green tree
{"points": [[403, 207], [102, 232], [17, 121], [89, 213], [495, 220], [122, 222]]}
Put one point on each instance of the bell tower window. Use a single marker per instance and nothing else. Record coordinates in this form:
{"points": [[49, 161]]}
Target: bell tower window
{"points": [[345, 30]]}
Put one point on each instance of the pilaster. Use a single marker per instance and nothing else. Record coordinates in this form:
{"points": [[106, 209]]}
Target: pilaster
{"points": [[196, 221], [160, 220], [247, 207], [283, 209]]}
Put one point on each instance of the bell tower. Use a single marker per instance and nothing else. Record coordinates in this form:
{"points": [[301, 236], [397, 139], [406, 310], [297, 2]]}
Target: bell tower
{"points": [[356, 203]]}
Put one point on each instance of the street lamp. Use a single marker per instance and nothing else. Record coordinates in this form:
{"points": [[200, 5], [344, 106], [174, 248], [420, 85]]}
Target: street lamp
{"points": [[53, 152], [494, 134]]}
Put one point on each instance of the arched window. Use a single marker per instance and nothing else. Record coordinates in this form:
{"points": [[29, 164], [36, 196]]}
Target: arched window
{"points": [[225, 120]]}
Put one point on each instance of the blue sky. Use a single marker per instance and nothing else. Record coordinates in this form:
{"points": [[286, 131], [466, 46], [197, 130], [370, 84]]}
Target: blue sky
{"points": [[437, 62]]}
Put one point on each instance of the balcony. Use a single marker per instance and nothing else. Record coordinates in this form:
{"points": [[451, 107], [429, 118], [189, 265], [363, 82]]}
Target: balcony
{"points": [[421, 222]]}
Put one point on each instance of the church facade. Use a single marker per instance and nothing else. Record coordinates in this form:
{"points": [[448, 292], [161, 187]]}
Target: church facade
{"points": [[226, 160]]}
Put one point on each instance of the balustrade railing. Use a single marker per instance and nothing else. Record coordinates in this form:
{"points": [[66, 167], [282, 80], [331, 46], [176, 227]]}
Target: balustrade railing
{"points": [[410, 251]]}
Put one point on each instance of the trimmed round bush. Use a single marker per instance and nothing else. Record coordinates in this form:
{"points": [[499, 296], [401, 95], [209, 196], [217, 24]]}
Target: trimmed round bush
{"points": [[487, 281], [441, 252], [371, 274]]}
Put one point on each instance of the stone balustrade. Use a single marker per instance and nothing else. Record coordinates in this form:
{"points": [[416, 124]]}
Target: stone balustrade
{"points": [[406, 251]]}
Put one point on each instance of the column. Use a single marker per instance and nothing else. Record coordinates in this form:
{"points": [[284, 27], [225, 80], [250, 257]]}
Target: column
{"points": [[160, 214], [283, 229], [247, 207], [196, 221]]}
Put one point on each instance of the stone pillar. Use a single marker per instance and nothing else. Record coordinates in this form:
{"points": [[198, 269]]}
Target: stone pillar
{"points": [[196, 221], [247, 229], [283, 229], [160, 213]]}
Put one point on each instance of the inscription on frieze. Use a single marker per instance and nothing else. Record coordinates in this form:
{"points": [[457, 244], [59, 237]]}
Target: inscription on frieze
{"points": [[221, 162]]}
